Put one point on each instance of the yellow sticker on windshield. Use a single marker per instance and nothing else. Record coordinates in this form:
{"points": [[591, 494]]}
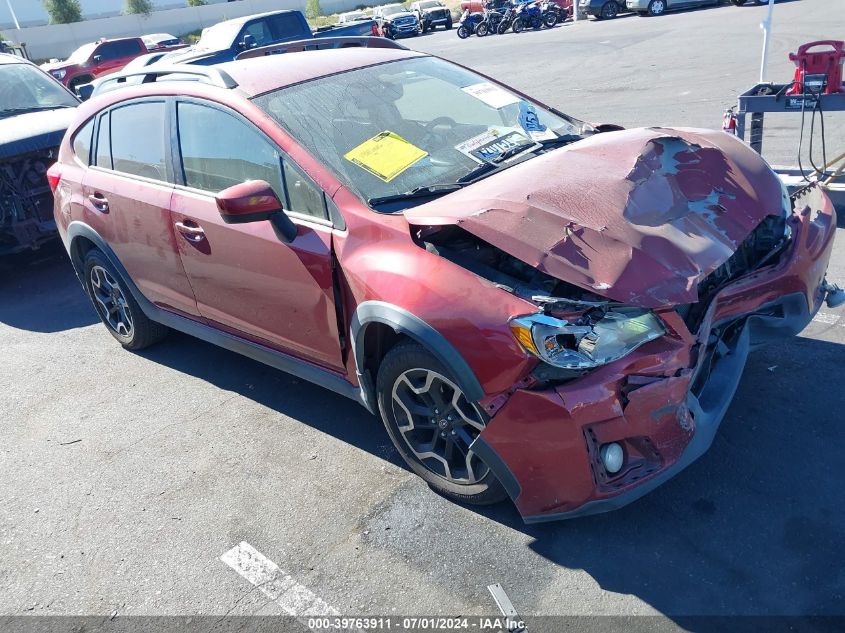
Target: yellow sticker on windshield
{"points": [[386, 155]]}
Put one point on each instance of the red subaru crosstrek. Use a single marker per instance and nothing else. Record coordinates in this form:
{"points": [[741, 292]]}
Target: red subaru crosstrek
{"points": [[536, 308]]}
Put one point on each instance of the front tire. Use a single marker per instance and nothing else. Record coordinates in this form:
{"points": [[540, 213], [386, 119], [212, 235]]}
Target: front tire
{"points": [[656, 7], [463, 32], [116, 306], [432, 425], [609, 10], [481, 30]]}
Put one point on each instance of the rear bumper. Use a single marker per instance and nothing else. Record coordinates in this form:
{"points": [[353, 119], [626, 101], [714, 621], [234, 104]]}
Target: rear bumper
{"points": [[664, 402]]}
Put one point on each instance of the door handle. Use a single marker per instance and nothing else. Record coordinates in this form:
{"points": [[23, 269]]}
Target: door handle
{"points": [[190, 231], [100, 202]]}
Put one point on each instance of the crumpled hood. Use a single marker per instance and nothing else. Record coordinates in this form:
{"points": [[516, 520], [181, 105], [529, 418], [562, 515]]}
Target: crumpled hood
{"points": [[639, 216], [33, 131]]}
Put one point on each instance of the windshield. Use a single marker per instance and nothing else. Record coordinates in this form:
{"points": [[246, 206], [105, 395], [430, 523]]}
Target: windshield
{"points": [[23, 87], [431, 4], [352, 17], [393, 10], [82, 53], [395, 127], [219, 37]]}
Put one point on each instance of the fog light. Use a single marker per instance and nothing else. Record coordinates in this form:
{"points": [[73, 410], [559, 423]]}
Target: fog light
{"points": [[612, 457]]}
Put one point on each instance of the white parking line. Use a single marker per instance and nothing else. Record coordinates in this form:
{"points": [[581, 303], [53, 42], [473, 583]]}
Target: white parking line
{"points": [[295, 599], [828, 319]]}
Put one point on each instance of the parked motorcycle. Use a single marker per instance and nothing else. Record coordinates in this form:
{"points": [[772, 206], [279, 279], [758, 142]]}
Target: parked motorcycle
{"points": [[469, 23], [492, 20], [550, 14], [508, 16]]}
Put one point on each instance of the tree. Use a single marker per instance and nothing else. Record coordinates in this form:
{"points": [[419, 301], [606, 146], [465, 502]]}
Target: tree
{"points": [[197, 3], [140, 7], [63, 11], [312, 9]]}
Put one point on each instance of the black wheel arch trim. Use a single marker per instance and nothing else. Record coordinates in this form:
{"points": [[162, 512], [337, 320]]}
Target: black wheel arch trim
{"points": [[403, 322], [276, 359]]}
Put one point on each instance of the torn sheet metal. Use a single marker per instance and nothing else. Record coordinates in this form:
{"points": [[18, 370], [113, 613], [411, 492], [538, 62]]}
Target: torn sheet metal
{"points": [[640, 216]]}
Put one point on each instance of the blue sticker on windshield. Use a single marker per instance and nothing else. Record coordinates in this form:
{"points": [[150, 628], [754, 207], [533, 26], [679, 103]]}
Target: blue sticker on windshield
{"points": [[528, 118]]}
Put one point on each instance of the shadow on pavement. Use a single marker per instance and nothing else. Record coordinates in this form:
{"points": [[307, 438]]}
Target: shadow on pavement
{"points": [[39, 292]]}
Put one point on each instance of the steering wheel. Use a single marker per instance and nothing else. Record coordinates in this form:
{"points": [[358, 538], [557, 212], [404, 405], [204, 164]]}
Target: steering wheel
{"points": [[439, 126]]}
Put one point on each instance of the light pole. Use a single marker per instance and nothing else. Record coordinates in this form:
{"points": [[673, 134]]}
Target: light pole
{"points": [[14, 17], [766, 25]]}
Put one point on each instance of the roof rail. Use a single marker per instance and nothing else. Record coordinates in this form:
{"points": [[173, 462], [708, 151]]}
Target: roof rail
{"points": [[205, 74], [321, 43]]}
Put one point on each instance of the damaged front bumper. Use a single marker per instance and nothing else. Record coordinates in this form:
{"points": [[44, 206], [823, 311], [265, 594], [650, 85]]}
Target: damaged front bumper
{"points": [[662, 403], [26, 202]]}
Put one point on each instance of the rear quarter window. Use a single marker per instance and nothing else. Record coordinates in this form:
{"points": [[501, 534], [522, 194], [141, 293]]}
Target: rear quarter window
{"points": [[82, 142]]}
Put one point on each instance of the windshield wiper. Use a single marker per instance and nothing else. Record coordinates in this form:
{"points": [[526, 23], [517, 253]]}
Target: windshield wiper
{"points": [[560, 140], [14, 111], [419, 192], [494, 164]]}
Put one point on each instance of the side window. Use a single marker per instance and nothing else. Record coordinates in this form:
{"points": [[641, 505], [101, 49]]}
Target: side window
{"points": [[259, 31], [303, 195], [234, 153], [137, 140], [285, 25], [104, 143], [82, 142], [106, 52]]}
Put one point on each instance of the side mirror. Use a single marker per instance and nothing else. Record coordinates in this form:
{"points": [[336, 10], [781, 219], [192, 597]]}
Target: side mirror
{"points": [[84, 91], [255, 201], [248, 42]]}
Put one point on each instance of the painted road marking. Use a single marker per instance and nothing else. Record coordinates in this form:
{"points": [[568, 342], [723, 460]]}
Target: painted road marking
{"points": [[294, 598], [829, 319]]}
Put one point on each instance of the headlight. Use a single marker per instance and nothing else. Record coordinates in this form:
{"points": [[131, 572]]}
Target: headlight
{"points": [[58, 74], [588, 343]]}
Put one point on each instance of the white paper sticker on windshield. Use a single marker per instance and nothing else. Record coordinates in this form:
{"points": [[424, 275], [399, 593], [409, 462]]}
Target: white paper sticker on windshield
{"points": [[491, 94], [492, 143], [545, 135]]}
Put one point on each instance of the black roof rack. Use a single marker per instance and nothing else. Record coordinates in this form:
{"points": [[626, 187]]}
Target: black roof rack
{"points": [[321, 43], [205, 74]]}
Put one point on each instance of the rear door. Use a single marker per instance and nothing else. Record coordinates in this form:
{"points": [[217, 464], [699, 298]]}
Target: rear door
{"points": [[244, 278], [126, 193]]}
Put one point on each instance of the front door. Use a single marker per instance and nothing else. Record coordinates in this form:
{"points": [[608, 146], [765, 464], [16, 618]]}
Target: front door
{"points": [[243, 277], [126, 193]]}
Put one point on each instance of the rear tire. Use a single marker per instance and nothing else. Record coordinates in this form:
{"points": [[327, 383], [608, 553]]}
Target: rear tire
{"points": [[609, 10], [550, 21], [656, 7], [116, 306], [411, 386], [518, 26]]}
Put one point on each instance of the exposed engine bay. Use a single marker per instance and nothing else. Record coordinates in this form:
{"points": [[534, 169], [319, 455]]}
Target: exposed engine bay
{"points": [[26, 202]]}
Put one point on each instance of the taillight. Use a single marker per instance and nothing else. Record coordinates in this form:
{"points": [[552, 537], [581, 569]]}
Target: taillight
{"points": [[54, 176]]}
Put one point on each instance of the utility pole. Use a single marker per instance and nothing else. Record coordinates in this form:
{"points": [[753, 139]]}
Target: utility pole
{"points": [[14, 17]]}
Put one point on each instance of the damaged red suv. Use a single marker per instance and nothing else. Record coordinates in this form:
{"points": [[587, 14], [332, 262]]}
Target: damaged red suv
{"points": [[536, 308]]}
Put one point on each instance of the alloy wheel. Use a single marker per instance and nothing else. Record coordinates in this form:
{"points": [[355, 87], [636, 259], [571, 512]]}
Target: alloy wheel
{"points": [[438, 424], [657, 7], [110, 302], [609, 10]]}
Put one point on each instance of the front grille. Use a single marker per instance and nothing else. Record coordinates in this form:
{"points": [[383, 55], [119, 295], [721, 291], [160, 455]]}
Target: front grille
{"points": [[763, 246]]}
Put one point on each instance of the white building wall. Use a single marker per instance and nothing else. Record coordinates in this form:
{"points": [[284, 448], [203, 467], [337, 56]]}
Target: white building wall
{"points": [[59, 40]]}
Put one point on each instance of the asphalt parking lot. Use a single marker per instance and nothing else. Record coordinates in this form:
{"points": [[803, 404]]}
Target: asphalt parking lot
{"points": [[127, 476]]}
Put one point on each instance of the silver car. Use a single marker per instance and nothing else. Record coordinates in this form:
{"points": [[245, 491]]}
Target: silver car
{"points": [[657, 7]]}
